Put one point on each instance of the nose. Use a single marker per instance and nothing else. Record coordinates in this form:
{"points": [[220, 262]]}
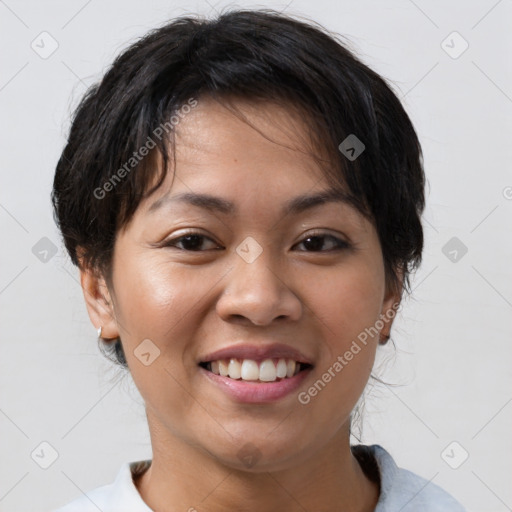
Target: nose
{"points": [[258, 292]]}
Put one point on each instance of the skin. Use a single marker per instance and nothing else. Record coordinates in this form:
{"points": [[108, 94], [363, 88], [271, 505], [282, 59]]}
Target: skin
{"points": [[315, 298]]}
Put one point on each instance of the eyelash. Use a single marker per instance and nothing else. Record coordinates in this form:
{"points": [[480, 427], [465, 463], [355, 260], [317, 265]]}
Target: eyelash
{"points": [[341, 244]]}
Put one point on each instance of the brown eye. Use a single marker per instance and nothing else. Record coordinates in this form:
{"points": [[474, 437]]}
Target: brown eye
{"points": [[317, 243], [189, 242]]}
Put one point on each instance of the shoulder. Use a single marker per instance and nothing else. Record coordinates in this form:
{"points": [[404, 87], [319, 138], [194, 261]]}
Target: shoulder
{"points": [[402, 489], [118, 496]]}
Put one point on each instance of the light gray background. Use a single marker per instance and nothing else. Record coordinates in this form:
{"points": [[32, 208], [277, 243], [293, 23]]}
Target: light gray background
{"points": [[454, 337]]}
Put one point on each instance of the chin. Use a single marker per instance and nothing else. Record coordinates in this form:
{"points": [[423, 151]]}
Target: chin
{"points": [[258, 453]]}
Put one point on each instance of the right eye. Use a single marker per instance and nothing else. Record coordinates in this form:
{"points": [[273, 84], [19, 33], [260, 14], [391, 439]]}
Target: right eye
{"points": [[192, 241]]}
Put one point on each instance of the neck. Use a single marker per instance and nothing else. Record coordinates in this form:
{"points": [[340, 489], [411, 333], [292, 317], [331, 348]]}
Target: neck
{"points": [[183, 477]]}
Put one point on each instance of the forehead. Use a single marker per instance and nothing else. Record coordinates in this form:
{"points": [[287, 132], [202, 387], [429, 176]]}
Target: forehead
{"points": [[255, 158], [239, 143], [242, 129]]}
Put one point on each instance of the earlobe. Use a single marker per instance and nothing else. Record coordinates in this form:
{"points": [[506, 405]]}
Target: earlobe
{"points": [[99, 303], [389, 311], [390, 307]]}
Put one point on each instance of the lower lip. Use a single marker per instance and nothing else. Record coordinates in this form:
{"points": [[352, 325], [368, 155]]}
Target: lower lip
{"points": [[256, 392]]}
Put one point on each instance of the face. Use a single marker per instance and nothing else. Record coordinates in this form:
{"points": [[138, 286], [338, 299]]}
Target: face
{"points": [[242, 274]]}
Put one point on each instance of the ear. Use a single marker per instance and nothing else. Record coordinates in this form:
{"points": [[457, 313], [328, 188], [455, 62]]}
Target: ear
{"points": [[390, 306], [99, 302]]}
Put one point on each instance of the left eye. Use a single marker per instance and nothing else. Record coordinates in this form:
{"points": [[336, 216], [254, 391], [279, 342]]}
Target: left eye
{"points": [[316, 242]]}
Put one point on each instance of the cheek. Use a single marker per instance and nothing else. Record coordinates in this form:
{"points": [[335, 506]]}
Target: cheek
{"points": [[156, 301], [154, 297], [348, 303], [160, 301]]}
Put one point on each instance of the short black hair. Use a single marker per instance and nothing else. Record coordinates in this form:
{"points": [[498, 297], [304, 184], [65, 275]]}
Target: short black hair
{"points": [[254, 55]]}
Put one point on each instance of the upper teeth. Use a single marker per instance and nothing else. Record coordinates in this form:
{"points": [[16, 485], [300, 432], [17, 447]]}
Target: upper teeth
{"points": [[248, 369]]}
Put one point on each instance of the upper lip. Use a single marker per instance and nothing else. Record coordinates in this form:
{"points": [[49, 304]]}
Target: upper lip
{"points": [[257, 353]]}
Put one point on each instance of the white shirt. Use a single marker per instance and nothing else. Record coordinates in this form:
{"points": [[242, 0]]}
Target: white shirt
{"points": [[400, 489]]}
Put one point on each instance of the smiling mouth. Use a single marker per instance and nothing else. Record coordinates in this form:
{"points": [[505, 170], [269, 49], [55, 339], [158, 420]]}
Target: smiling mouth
{"points": [[268, 370]]}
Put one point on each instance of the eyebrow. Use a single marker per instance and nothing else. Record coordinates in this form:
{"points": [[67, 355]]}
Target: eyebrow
{"points": [[208, 202]]}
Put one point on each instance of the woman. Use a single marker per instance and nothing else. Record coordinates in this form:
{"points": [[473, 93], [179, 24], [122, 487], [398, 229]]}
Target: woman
{"points": [[243, 199]]}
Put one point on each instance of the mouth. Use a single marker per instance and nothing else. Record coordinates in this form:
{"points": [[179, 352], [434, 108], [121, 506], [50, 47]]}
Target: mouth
{"points": [[256, 373], [251, 370]]}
